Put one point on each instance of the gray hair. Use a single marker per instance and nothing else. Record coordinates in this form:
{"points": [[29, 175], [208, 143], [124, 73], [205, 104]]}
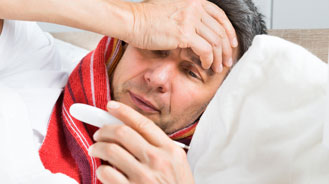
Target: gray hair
{"points": [[246, 20]]}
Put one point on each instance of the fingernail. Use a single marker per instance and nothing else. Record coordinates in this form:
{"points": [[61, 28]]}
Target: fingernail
{"points": [[113, 105], [95, 136], [205, 66], [230, 62], [220, 69], [216, 69], [235, 42]]}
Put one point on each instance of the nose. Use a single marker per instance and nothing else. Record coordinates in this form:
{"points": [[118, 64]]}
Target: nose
{"points": [[160, 76]]}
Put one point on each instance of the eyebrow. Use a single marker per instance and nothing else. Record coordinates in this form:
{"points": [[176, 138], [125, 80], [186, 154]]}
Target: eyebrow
{"points": [[196, 60], [161, 52]]}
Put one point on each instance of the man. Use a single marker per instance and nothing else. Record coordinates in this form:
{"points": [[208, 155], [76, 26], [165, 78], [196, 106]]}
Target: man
{"points": [[167, 85]]}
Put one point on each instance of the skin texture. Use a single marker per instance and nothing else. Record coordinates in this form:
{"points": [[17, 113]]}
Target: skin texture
{"points": [[196, 24], [175, 84], [173, 81], [140, 151], [179, 89]]}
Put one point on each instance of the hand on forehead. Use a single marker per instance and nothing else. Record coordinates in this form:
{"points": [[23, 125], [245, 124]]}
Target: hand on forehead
{"points": [[190, 55], [196, 24]]}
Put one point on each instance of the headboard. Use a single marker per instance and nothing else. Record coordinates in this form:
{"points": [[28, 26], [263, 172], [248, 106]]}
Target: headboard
{"points": [[316, 40]]}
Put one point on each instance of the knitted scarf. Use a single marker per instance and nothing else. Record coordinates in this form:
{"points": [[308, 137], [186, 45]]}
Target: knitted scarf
{"points": [[65, 147]]}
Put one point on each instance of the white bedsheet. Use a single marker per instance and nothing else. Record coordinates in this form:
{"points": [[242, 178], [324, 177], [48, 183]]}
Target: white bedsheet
{"points": [[265, 123], [30, 82]]}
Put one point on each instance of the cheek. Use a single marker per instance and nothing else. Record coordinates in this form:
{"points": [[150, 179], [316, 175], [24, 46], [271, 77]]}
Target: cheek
{"points": [[187, 97], [187, 104], [130, 65]]}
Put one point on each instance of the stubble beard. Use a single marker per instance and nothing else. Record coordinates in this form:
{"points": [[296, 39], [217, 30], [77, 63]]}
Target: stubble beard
{"points": [[165, 120]]}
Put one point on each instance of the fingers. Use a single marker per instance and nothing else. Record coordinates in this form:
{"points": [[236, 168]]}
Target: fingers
{"points": [[214, 39], [221, 17], [217, 65], [167, 162], [117, 156], [123, 135], [108, 175], [227, 52], [145, 127], [203, 49], [221, 47], [216, 43]]}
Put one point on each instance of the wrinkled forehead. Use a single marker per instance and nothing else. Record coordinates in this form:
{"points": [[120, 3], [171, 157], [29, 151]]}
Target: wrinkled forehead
{"points": [[187, 51], [212, 80], [182, 53]]}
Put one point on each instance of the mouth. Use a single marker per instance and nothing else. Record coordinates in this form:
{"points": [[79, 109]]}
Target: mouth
{"points": [[143, 104]]}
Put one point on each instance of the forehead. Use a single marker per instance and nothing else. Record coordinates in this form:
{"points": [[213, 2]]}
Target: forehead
{"points": [[196, 59], [212, 80], [182, 54]]}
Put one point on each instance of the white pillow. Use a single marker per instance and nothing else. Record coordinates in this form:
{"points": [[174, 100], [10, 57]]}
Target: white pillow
{"points": [[265, 123]]}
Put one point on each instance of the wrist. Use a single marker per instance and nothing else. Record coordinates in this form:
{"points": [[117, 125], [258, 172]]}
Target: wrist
{"points": [[107, 17], [119, 19]]}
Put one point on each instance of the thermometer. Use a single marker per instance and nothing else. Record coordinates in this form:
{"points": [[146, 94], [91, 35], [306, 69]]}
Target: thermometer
{"points": [[98, 117]]}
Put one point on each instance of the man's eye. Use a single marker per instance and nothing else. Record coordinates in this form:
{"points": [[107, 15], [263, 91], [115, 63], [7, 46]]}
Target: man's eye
{"points": [[192, 74]]}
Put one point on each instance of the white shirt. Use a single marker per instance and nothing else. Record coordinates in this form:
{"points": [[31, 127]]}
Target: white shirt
{"points": [[31, 81]]}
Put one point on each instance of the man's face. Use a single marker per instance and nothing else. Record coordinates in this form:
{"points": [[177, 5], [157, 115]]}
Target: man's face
{"points": [[169, 87]]}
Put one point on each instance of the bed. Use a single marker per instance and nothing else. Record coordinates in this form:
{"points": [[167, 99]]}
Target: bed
{"points": [[265, 122]]}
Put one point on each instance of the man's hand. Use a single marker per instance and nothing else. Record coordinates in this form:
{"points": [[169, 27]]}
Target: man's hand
{"points": [[196, 24], [139, 152], [151, 24]]}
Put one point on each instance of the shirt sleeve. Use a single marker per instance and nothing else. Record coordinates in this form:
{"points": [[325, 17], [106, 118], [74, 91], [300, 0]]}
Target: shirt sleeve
{"points": [[25, 47]]}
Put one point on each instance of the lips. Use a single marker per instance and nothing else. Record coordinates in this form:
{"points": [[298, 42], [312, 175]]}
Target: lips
{"points": [[143, 104]]}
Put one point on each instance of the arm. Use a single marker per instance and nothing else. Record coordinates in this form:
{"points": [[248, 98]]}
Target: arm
{"points": [[104, 17], [153, 24]]}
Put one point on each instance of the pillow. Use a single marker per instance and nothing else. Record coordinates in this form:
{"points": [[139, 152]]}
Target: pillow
{"points": [[265, 123]]}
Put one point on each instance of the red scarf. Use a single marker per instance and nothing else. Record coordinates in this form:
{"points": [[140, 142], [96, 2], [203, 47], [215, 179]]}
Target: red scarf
{"points": [[65, 148]]}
